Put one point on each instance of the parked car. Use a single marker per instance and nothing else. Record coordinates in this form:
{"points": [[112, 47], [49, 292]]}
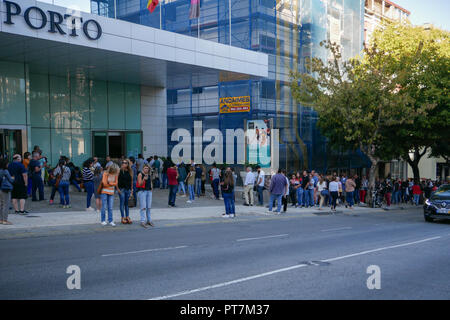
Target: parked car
{"points": [[438, 205]]}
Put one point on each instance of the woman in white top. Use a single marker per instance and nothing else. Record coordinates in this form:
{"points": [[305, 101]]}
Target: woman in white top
{"points": [[322, 188], [334, 192]]}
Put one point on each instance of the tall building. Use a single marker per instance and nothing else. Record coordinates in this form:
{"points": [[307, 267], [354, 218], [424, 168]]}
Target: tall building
{"points": [[376, 11], [148, 75]]}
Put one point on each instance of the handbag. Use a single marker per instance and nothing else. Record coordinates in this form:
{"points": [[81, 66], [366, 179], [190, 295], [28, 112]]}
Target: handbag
{"points": [[58, 180], [132, 201]]}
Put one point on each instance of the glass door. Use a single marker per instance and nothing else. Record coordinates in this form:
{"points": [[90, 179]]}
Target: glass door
{"points": [[100, 145]]}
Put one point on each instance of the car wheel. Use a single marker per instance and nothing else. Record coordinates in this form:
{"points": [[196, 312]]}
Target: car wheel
{"points": [[428, 219]]}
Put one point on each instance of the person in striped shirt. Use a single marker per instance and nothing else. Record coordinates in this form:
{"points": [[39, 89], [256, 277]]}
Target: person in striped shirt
{"points": [[63, 188], [108, 186], [88, 181]]}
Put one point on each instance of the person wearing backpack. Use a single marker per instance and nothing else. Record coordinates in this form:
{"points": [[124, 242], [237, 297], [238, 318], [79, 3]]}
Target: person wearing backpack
{"points": [[6, 186]]}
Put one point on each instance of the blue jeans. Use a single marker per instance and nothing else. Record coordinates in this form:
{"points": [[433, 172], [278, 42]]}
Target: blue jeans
{"points": [[260, 190], [191, 192], [416, 199], [107, 204], [300, 192], [63, 190], [75, 183], [172, 194], [124, 196], [215, 185], [37, 184], [145, 205], [278, 197], [198, 186], [309, 197], [165, 181], [182, 187], [228, 199], [349, 198], [356, 196], [89, 185]]}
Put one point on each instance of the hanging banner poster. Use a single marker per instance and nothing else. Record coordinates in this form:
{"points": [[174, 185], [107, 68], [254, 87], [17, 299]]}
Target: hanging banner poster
{"points": [[234, 104]]}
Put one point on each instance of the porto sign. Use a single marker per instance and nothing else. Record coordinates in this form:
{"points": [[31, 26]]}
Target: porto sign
{"points": [[53, 20]]}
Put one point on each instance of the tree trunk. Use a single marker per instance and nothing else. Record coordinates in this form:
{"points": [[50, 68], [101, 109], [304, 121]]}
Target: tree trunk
{"points": [[414, 163], [415, 168], [372, 170]]}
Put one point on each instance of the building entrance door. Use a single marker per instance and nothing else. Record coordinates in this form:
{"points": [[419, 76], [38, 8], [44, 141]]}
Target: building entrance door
{"points": [[10, 143], [116, 144]]}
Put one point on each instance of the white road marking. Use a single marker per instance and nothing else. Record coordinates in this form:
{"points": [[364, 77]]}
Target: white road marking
{"points": [[337, 229], [228, 283], [380, 249], [266, 237], [143, 251]]}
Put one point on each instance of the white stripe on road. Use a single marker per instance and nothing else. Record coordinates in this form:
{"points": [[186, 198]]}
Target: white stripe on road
{"points": [[228, 283], [143, 251], [337, 229], [266, 237], [380, 249]]}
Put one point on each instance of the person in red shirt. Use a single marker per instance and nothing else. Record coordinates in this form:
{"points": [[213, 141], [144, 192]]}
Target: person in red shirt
{"points": [[416, 193], [172, 176]]}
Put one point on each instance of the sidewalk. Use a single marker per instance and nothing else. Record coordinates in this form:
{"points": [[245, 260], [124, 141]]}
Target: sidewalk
{"points": [[78, 218]]}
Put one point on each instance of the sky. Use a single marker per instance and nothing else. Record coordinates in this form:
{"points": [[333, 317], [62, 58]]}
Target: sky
{"points": [[436, 12]]}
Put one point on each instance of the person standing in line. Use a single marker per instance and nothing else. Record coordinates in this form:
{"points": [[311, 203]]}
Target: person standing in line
{"points": [[157, 167], [198, 180], [97, 180], [36, 177], [135, 172], [203, 179], [357, 181], [248, 187], [125, 184], [107, 188], [333, 187], [304, 186], [172, 177], [363, 191], [6, 187], [322, 190], [417, 192], [315, 177], [349, 189], [26, 163], [63, 188], [19, 193], [228, 195], [340, 191], [215, 176], [260, 185], [182, 174], [109, 162], [166, 165], [286, 194], [52, 183], [144, 190], [277, 189], [293, 187], [310, 190], [140, 162], [190, 181], [387, 187], [88, 182]]}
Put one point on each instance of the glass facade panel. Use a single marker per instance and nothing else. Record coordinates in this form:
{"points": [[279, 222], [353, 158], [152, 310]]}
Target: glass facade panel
{"points": [[39, 101], [133, 107], [41, 137], [134, 145], [12, 94], [60, 102], [99, 104], [81, 145], [79, 103], [61, 140], [116, 105]]}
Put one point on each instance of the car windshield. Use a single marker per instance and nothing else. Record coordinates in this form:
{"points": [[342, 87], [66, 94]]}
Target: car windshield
{"points": [[441, 195]]}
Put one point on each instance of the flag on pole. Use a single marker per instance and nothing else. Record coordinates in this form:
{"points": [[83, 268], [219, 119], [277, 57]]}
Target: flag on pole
{"points": [[151, 5], [194, 11]]}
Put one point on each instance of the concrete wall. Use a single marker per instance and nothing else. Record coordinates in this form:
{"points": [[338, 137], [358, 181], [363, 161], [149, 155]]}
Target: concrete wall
{"points": [[154, 121]]}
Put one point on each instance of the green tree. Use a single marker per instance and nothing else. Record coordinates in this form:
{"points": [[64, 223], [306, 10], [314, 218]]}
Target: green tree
{"points": [[424, 54], [356, 100]]}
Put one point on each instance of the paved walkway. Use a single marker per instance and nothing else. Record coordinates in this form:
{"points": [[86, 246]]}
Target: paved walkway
{"points": [[194, 211]]}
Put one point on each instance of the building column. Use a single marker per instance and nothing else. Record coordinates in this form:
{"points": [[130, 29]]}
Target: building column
{"points": [[154, 121]]}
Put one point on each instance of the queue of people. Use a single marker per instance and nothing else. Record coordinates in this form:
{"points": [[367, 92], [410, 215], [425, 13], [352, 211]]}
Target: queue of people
{"points": [[134, 181]]}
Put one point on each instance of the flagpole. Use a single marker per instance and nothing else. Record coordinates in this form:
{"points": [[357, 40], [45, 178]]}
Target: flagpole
{"points": [[198, 23], [229, 13]]}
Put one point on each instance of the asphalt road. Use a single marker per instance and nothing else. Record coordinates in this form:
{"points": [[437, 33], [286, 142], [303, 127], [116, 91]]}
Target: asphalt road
{"points": [[279, 257]]}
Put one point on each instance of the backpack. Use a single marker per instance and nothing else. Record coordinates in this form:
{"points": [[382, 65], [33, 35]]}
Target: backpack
{"points": [[5, 184]]}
